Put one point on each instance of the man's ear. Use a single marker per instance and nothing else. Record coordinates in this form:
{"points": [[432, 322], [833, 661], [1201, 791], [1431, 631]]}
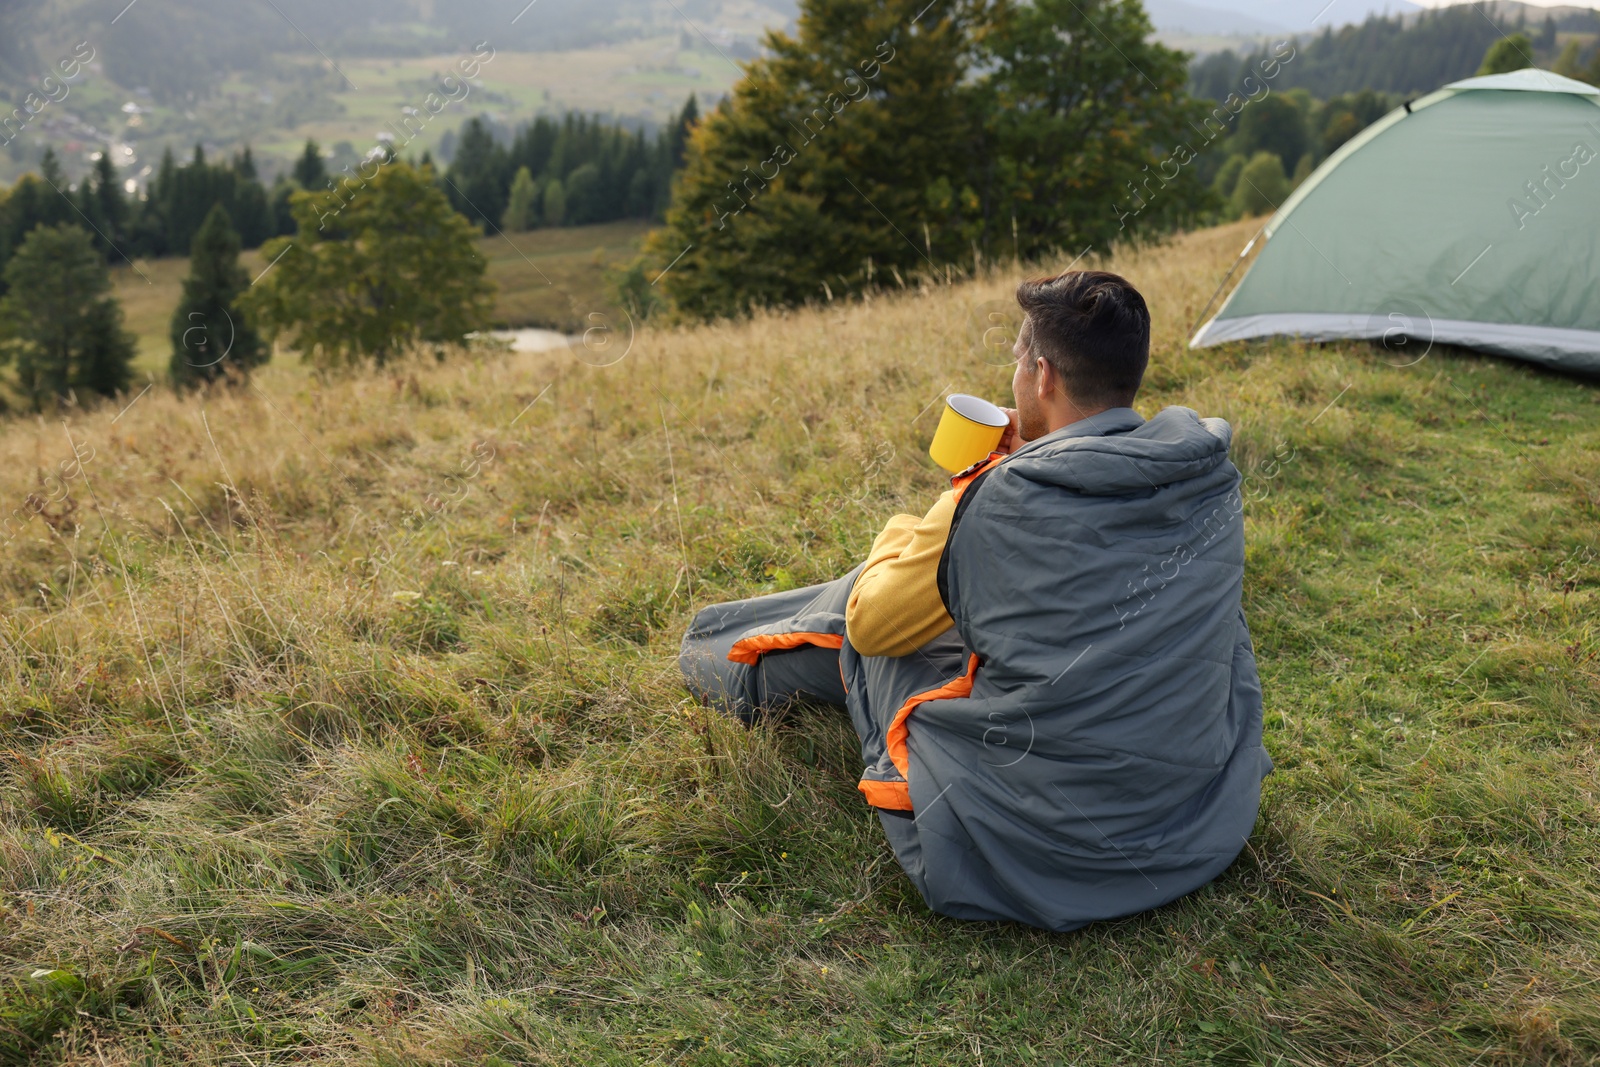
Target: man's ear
{"points": [[1048, 381]]}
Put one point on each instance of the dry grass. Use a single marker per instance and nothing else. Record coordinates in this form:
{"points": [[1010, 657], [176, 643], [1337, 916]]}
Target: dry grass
{"points": [[341, 717]]}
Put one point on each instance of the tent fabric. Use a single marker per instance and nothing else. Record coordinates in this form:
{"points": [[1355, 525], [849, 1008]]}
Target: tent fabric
{"points": [[1529, 79], [1085, 742], [1409, 337], [1473, 217]]}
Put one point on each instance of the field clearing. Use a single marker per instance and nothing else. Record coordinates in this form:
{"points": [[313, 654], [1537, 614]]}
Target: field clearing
{"points": [[550, 278], [342, 717], [647, 78]]}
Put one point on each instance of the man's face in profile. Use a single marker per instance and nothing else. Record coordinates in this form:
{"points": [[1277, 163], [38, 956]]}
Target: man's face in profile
{"points": [[1031, 421]]}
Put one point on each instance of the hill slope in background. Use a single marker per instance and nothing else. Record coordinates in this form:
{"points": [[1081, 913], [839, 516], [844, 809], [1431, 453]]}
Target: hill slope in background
{"points": [[1280, 16], [1404, 55], [342, 718], [216, 41], [1179, 16], [339, 71], [176, 72]]}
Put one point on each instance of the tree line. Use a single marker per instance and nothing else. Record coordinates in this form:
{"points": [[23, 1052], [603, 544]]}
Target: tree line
{"points": [[566, 173], [1274, 143], [1411, 56], [1266, 147], [396, 270], [571, 171], [61, 330], [162, 222]]}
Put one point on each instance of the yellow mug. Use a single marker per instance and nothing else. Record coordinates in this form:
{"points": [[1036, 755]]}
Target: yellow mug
{"points": [[969, 430]]}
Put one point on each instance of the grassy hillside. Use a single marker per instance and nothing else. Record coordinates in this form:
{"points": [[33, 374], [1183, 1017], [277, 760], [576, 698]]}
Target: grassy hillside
{"points": [[545, 278], [341, 718]]}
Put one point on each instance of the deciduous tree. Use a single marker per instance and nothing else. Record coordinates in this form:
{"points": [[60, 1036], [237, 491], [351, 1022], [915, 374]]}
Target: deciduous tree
{"points": [[521, 211], [1087, 130], [394, 268], [1508, 54]]}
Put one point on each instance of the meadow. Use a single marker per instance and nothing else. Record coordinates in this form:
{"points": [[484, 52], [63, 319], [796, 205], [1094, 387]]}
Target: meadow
{"points": [[341, 718], [550, 278]]}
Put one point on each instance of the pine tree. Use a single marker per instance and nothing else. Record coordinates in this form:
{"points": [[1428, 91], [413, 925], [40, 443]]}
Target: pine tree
{"points": [[55, 209], [585, 192], [891, 135], [533, 145], [309, 170], [249, 209], [211, 338], [151, 226], [20, 213], [103, 203], [1406, 55], [106, 359], [682, 128], [282, 212], [825, 157], [60, 321], [50, 170], [1275, 125], [521, 211], [1547, 34], [476, 180]]}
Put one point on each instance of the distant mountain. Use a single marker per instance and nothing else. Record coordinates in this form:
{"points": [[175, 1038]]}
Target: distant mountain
{"points": [[183, 50], [1303, 16], [1179, 16], [1261, 17]]}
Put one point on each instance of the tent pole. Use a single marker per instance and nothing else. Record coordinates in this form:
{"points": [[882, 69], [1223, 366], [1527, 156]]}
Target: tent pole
{"points": [[1240, 259]]}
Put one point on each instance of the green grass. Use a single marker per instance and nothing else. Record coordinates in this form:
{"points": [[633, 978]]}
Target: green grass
{"points": [[319, 743], [556, 278]]}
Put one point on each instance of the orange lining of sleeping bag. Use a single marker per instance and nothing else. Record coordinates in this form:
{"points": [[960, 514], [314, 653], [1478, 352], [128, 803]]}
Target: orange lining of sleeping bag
{"points": [[895, 739], [961, 480], [749, 650], [897, 795]]}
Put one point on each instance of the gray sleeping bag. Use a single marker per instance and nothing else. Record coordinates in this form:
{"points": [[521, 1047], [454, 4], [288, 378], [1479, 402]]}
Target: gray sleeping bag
{"points": [[1085, 742]]}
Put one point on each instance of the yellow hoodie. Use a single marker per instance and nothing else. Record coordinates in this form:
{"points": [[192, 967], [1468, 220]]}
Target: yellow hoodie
{"points": [[895, 607]]}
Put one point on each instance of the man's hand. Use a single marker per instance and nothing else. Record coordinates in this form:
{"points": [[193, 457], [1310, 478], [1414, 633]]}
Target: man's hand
{"points": [[1011, 440]]}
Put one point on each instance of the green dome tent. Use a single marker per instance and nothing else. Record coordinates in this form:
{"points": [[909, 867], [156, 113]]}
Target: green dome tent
{"points": [[1468, 217]]}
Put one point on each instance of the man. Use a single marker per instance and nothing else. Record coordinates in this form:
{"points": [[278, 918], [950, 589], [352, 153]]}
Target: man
{"points": [[1050, 672]]}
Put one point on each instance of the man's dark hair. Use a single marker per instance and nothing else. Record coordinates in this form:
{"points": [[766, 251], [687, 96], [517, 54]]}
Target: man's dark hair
{"points": [[1094, 329]]}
